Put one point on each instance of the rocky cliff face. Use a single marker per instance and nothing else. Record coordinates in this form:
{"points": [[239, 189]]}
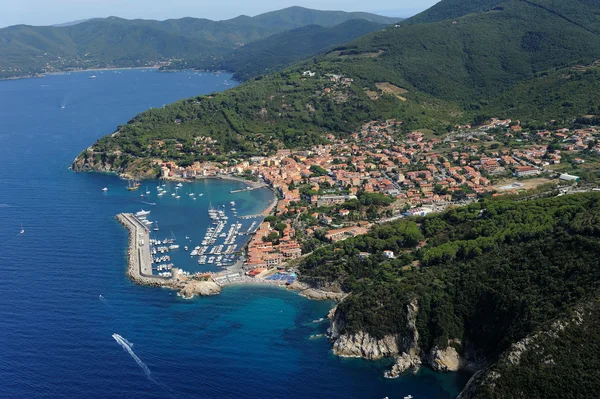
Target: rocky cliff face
{"points": [[410, 357], [362, 344]]}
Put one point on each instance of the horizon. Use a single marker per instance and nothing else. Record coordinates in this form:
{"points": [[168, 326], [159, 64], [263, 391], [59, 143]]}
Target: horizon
{"points": [[65, 12]]}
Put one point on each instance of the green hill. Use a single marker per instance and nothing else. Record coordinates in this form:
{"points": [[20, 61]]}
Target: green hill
{"points": [[490, 275], [284, 49], [478, 55], [27, 50]]}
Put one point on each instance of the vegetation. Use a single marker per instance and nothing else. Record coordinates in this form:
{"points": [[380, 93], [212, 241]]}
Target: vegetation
{"points": [[279, 51], [489, 274], [116, 42]]}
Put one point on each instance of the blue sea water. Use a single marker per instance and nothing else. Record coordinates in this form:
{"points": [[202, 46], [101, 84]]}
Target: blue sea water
{"points": [[63, 289]]}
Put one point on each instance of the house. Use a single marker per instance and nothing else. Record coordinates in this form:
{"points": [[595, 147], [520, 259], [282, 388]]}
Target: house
{"points": [[389, 254], [524, 171]]}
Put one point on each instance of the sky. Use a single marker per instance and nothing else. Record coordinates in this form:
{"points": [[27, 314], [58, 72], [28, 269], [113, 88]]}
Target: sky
{"points": [[50, 12]]}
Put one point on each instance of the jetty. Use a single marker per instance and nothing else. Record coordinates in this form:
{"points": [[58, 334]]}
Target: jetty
{"points": [[139, 258]]}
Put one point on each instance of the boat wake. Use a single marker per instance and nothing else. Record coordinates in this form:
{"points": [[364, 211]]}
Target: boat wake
{"points": [[148, 203], [127, 347]]}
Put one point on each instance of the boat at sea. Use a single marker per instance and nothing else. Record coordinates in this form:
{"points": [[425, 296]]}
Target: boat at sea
{"points": [[132, 185], [92, 77], [142, 213], [156, 226], [105, 189]]}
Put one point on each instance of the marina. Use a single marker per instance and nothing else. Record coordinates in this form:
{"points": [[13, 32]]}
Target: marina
{"points": [[212, 235]]}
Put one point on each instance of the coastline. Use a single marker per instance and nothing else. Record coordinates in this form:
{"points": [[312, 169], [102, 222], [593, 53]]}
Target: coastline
{"points": [[45, 74]]}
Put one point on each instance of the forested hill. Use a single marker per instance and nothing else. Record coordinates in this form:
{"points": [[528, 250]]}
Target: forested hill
{"points": [[427, 74], [484, 277], [27, 50], [281, 50], [487, 48]]}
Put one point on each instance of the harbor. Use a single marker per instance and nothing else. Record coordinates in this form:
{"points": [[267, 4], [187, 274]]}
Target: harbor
{"points": [[208, 248]]}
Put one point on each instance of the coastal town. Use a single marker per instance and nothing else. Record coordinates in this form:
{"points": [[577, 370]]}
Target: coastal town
{"points": [[338, 190]]}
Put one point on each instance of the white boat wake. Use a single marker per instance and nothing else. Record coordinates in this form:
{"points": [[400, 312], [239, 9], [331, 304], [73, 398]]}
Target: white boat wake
{"points": [[127, 347]]}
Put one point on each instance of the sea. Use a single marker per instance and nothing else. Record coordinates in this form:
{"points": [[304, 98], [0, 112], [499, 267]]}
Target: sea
{"points": [[73, 326]]}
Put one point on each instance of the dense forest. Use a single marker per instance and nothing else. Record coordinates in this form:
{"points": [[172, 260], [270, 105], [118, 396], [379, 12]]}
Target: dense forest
{"points": [[489, 274]]}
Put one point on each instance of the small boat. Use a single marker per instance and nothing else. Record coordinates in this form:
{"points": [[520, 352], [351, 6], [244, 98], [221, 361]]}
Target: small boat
{"points": [[142, 213], [194, 198], [232, 203], [408, 397], [92, 77], [200, 195], [156, 226], [177, 197], [22, 229], [147, 191], [186, 247], [105, 189]]}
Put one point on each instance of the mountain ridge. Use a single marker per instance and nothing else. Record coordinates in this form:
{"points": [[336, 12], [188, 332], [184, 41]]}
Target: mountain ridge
{"points": [[105, 42]]}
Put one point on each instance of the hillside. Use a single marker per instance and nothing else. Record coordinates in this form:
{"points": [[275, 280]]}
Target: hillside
{"points": [[473, 57], [429, 75], [281, 50], [112, 41], [488, 276]]}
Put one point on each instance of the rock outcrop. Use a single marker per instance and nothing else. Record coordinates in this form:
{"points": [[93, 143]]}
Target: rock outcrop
{"points": [[404, 362], [446, 359], [202, 288], [364, 345], [322, 295]]}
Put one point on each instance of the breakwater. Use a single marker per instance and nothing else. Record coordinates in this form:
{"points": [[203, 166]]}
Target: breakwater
{"points": [[139, 258]]}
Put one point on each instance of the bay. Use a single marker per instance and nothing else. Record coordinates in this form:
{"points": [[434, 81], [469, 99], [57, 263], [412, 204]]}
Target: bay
{"points": [[63, 289]]}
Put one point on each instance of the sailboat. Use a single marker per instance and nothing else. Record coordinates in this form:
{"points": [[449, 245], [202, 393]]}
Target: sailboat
{"points": [[172, 240], [147, 191], [22, 229], [132, 185], [156, 226]]}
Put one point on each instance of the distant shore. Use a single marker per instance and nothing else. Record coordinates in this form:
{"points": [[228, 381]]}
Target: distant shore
{"points": [[56, 73]]}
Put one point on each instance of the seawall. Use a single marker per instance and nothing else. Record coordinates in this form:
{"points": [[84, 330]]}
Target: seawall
{"points": [[139, 258]]}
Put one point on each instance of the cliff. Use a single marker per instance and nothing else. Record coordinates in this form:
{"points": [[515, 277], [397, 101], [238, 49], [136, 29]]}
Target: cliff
{"points": [[403, 347], [115, 162]]}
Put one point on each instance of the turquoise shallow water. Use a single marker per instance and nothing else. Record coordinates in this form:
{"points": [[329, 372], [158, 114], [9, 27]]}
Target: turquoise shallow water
{"points": [[55, 329]]}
